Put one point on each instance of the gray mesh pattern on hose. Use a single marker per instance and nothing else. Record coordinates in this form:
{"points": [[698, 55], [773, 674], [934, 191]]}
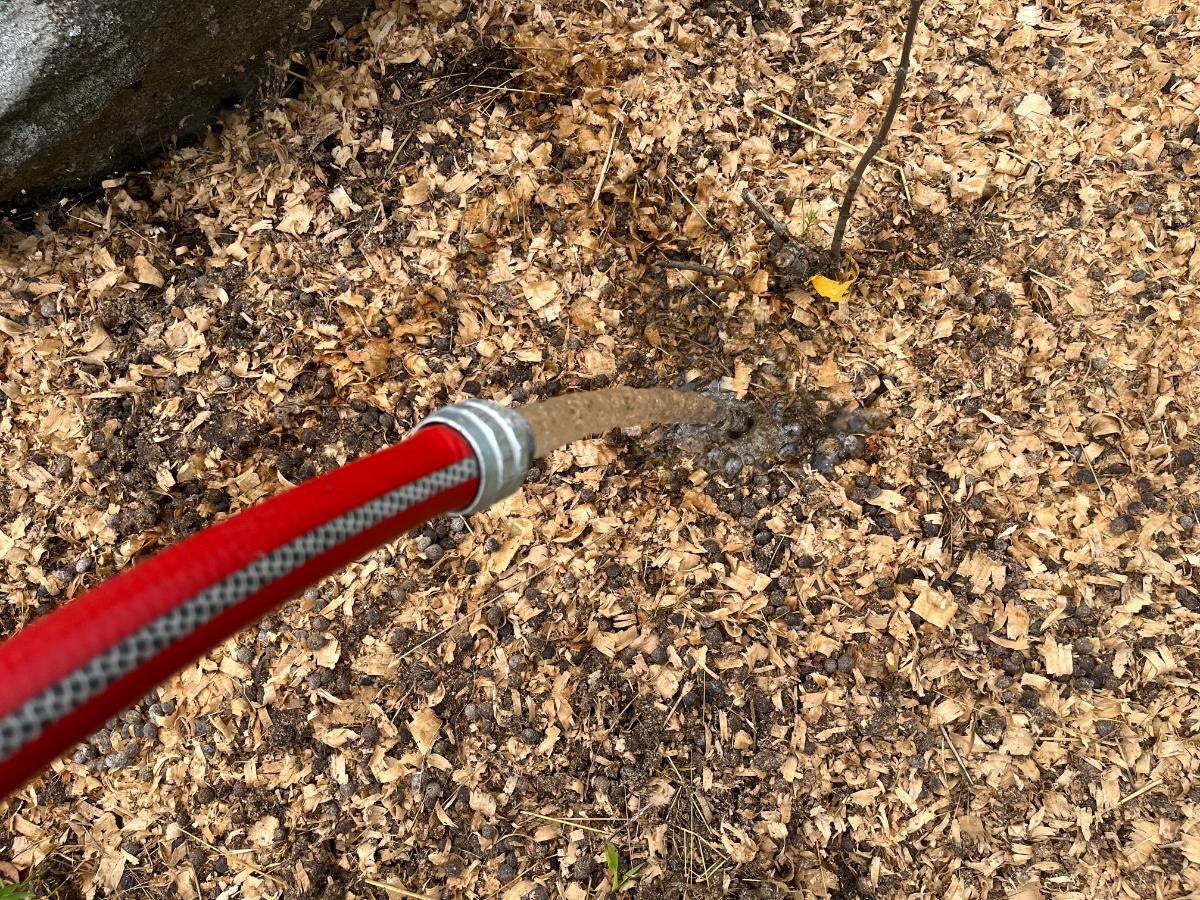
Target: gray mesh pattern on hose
{"points": [[27, 721]]}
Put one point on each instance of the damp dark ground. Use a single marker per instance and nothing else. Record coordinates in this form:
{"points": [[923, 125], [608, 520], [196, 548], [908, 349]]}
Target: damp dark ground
{"points": [[805, 432]]}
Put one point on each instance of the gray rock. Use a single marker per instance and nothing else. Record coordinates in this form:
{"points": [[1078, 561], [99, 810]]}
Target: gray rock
{"points": [[87, 86]]}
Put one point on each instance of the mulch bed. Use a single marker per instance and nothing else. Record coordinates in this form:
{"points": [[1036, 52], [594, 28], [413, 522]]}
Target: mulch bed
{"points": [[958, 662]]}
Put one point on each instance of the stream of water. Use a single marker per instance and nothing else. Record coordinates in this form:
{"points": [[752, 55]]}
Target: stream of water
{"points": [[571, 417]]}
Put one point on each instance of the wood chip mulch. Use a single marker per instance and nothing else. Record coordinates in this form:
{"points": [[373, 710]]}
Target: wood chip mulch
{"points": [[961, 665]]}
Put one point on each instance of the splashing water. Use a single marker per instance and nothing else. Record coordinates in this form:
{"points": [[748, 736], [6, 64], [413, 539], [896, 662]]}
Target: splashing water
{"points": [[571, 417]]}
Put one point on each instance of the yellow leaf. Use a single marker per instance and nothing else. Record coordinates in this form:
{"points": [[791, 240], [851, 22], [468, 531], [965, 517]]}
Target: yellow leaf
{"points": [[835, 290]]}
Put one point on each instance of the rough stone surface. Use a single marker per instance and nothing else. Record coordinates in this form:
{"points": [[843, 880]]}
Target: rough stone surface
{"points": [[87, 86]]}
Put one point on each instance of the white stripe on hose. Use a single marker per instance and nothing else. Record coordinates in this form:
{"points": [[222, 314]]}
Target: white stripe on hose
{"points": [[27, 721]]}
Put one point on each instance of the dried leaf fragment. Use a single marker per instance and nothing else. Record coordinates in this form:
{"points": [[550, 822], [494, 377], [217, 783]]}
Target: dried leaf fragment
{"points": [[1033, 105], [425, 727], [936, 609], [1017, 741], [163, 477], [739, 382], [947, 711], [262, 832], [666, 684], [144, 272], [296, 220], [1103, 424], [342, 203], [540, 293], [1028, 891], [417, 192], [1058, 657]]}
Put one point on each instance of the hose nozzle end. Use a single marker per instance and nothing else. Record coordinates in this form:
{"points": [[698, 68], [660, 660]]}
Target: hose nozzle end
{"points": [[502, 441]]}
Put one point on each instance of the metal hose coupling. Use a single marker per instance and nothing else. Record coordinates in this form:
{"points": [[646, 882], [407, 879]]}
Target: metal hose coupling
{"points": [[502, 441]]}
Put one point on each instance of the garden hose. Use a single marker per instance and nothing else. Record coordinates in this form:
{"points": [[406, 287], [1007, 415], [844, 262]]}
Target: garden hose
{"points": [[63, 676]]}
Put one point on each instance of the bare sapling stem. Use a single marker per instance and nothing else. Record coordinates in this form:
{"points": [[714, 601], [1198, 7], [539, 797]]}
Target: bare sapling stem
{"points": [[835, 250]]}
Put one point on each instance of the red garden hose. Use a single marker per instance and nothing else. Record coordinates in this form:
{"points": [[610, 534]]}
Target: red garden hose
{"points": [[63, 676]]}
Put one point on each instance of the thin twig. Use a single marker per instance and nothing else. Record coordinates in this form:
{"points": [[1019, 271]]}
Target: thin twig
{"points": [[1149, 786], [396, 891], [839, 231], [612, 142], [825, 134], [763, 213], [688, 201], [695, 267], [501, 87], [568, 823], [1062, 285], [958, 759], [904, 184]]}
